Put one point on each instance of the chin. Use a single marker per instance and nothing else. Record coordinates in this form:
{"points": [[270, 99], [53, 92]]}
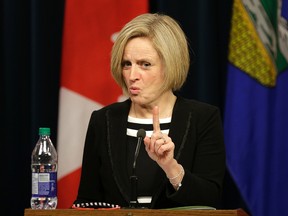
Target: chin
{"points": [[137, 99]]}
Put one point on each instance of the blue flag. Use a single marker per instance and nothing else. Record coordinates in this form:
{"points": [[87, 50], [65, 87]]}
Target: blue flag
{"points": [[256, 110]]}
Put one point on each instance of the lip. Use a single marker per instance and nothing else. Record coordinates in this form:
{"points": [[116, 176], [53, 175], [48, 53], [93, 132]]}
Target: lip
{"points": [[134, 90]]}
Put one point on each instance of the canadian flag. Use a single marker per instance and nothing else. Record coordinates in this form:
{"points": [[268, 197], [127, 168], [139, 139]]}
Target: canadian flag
{"points": [[90, 26]]}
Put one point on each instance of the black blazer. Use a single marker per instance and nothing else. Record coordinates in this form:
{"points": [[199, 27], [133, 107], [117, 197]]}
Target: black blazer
{"points": [[196, 131]]}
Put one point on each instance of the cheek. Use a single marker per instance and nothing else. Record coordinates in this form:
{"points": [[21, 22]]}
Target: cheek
{"points": [[125, 76], [156, 79]]}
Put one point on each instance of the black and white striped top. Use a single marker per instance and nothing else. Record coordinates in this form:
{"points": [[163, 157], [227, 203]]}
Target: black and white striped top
{"points": [[146, 168], [134, 124]]}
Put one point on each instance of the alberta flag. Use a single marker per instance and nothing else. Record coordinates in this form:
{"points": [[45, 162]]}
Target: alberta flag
{"points": [[256, 112], [90, 27]]}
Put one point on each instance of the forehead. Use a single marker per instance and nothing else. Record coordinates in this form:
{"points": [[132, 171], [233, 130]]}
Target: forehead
{"points": [[140, 47]]}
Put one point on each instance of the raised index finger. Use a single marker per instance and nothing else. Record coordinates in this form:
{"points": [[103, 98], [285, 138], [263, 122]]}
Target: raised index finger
{"points": [[156, 123]]}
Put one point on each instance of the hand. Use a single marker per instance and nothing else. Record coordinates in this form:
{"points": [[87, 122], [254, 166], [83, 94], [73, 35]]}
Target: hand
{"points": [[159, 147]]}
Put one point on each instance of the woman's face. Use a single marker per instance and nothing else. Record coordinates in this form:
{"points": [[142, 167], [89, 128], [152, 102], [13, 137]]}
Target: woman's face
{"points": [[143, 71]]}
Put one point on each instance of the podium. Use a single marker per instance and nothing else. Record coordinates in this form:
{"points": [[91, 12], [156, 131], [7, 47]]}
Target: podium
{"points": [[133, 212]]}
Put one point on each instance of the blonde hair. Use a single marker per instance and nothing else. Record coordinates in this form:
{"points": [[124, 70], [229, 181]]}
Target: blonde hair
{"points": [[167, 38]]}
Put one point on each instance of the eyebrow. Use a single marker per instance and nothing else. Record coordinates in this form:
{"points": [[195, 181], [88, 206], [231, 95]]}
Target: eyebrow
{"points": [[139, 60]]}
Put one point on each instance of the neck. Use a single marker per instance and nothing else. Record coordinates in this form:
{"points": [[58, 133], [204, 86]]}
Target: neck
{"points": [[165, 104]]}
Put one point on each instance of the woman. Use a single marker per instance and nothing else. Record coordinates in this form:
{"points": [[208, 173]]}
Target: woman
{"points": [[182, 161]]}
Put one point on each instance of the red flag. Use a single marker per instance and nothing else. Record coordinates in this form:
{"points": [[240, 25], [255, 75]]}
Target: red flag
{"points": [[86, 82]]}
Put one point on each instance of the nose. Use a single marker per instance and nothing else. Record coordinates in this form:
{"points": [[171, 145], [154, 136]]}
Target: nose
{"points": [[134, 73]]}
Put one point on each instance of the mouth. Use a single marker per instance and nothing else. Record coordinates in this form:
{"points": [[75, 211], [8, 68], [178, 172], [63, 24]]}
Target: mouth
{"points": [[134, 90]]}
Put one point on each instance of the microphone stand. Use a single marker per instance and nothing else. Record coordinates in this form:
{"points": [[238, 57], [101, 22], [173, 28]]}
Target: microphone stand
{"points": [[133, 201], [133, 178]]}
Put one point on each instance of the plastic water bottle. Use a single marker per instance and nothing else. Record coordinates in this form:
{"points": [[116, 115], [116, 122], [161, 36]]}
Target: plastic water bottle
{"points": [[44, 162]]}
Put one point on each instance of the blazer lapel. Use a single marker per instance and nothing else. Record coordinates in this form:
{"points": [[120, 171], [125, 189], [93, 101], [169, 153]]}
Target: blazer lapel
{"points": [[180, 125], [117, 125]]}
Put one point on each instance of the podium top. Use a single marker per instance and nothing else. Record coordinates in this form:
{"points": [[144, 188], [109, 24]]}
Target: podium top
{"points": [[134, 212]]}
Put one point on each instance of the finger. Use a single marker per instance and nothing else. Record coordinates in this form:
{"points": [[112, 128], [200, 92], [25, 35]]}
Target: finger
{"points": [[166, 138], [156, 123], [159, 143], [162, 149], [147, 143], [165, 148]]}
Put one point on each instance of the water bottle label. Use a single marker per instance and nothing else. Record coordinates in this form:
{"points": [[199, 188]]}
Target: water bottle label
{"points": [[44, 184]]}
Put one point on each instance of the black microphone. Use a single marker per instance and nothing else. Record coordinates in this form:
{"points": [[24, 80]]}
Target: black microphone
{"points": [[140, 136], [133, 199]]}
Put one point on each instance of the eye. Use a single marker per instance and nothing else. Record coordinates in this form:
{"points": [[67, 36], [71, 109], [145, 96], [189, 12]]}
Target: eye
{"points": [[126, 64], [145, 65]]}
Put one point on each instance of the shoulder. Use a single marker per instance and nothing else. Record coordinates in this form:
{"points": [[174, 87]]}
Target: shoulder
{"points": [[197, 111], [117, 107], [200, 114], [195, 105]]}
